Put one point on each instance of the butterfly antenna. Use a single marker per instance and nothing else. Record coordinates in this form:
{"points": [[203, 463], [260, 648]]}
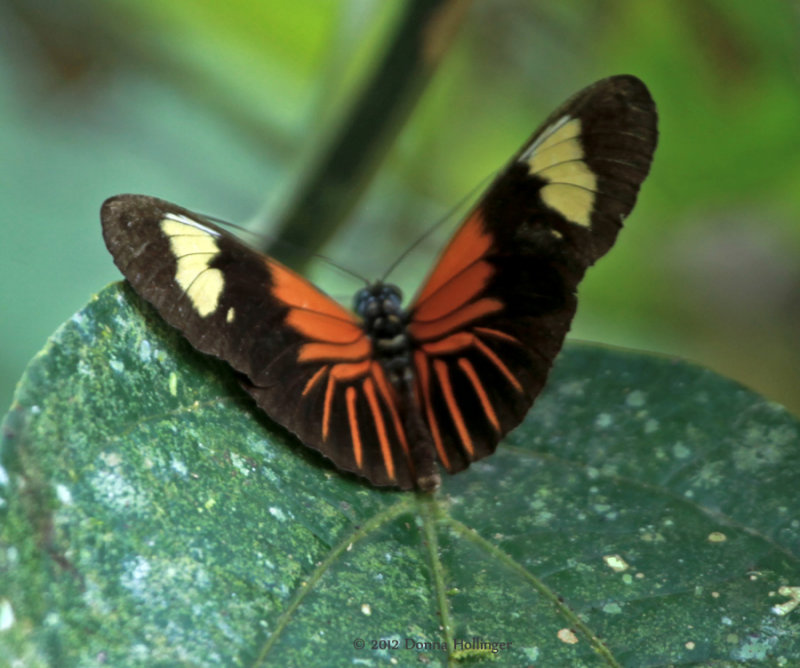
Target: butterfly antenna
{"points": [[258, 235], [341, 268], [226, 223], [447, 216]]}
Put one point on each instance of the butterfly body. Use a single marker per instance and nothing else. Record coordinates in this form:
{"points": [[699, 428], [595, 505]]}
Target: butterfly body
{"points": [[387, 391], [385, 322]]}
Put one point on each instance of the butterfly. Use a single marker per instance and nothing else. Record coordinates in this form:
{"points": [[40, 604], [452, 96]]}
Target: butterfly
{"points": [[385, 391]]}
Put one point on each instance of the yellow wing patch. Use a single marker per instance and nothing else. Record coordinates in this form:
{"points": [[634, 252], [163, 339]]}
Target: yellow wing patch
{"points": [[194, 248], [557, 157]]}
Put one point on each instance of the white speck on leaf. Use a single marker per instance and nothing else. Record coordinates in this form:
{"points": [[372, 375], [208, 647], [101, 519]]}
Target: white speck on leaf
{"points": [[178, 466], [636, 399], [64, 495], [277, 513], [787, 606], [603, 420], [616, 563], [7, 618], [680, 451]]}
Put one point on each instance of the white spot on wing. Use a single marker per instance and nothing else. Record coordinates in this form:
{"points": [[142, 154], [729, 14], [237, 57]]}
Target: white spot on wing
{"points": [[195, 247], [546, 134], [557, 157]]}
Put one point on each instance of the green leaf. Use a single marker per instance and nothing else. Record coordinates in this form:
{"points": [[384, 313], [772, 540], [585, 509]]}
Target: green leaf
{"points": [[646, 512]]}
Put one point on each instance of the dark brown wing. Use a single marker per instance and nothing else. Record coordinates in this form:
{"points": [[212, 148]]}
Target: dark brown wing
{"points": [[492, 316], [306, 359]]}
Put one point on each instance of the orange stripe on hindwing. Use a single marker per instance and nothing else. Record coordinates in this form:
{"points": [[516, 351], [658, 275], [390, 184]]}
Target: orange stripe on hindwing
{"points": [[469, 370], [457, 342], [326, 411], [313, 380], [351, 396], [380, 427], [442, 374], [423, 377], [315, 352], [389, 399], [496, 333], [338, 372], [498, 363]]}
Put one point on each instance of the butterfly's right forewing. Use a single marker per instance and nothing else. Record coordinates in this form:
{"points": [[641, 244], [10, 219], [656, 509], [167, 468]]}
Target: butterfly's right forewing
{"points": [[492, 315]]}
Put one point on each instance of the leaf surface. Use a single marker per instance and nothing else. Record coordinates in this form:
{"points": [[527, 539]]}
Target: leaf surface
{"points": [[645, 513]]}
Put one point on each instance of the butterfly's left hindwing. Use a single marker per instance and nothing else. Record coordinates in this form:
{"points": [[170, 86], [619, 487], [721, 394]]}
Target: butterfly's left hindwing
{"points": [[305, 359]]}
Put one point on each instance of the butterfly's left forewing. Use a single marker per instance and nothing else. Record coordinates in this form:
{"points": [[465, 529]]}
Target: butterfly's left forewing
{"points": [[492, 315], [305, 359]]}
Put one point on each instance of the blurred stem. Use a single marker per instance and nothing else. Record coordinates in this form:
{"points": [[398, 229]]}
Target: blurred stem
{"points": [[333, 184]]}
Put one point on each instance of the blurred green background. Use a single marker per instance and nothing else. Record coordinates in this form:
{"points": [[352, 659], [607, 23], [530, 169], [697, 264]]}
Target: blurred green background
{"points": [[220, 106]]}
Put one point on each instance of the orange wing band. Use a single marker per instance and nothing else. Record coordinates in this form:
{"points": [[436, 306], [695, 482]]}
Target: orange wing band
{"points": [[469, 370], [313, 380], [425, 331], [295, 291], [326, 411], [480, 345], [452, 344], [469, 245], [350, 371], [459, 290], [352, 417], [323, 327], [496, 333], [380, 427], [315, 352], [423, 377], [440, 368], [388, 398]]}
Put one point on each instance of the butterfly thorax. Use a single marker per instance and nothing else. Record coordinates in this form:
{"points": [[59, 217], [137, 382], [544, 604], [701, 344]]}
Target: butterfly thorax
{"points": [[385, 321]]}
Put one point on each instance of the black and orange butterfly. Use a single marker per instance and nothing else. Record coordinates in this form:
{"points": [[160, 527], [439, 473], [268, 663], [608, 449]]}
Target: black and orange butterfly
{"points": [[385, 392]]}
